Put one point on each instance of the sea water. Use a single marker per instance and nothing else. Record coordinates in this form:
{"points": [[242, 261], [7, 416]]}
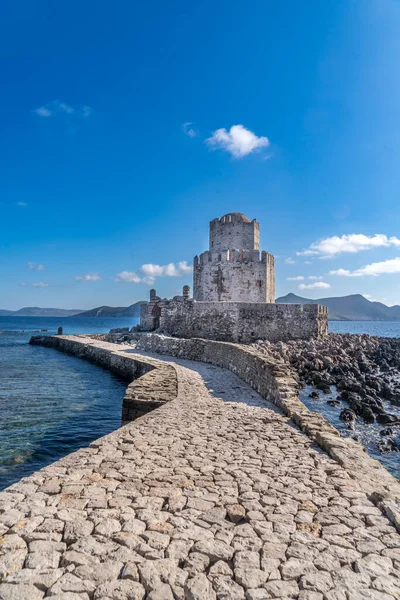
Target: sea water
{"points": [[51, 404]]}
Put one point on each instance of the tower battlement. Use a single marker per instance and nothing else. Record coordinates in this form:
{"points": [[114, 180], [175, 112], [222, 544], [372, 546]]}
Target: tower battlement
{"points": [[240, 256], [232, 269], [234, 231]]}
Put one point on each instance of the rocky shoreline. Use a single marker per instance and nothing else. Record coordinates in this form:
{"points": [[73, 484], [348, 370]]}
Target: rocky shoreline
{"points": [[358, 374]]}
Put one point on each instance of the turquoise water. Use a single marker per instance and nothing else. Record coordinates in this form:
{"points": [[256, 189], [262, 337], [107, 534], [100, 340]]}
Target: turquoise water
{"points": [[51, 404]]}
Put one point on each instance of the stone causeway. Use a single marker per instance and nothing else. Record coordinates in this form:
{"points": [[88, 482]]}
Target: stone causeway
{"points": [[225, 488]]}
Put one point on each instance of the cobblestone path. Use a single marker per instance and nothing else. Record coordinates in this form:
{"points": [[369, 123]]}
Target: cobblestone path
{"points": [[216, 495]]}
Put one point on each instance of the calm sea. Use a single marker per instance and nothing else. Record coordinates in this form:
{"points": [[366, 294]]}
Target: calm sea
{"points": [[52, 404], [383, 329]]}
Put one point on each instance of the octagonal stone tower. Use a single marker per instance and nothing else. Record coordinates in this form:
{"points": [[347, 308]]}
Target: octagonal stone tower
{"points": [[232, 270]]}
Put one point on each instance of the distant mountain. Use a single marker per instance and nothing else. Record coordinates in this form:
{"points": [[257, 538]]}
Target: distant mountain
{"points": [[34, 311], [111, 311], [349, 308]]}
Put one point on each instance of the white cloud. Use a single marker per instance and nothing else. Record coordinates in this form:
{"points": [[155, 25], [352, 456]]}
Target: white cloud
{"points": [[132, 277], [298, 278], [386, 267], [43, 112], [88, 277], [170, 270], [22, 204], [188, 129], [40, 285], [315, 277], [314, 286], [58, 108], [238, 141], [341, 273], [289, 261], [35, 267], [352, 243], [152, 271]]}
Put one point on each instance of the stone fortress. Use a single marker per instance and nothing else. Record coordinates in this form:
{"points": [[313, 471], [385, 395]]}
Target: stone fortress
{"points": [[233, 294], [231, 270]]}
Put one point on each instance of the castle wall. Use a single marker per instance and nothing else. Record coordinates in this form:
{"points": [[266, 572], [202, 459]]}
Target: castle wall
{"points": [[244, 322], [234, 276]]}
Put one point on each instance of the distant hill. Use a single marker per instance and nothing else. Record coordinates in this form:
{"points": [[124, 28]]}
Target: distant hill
{"points": [[349, 308], [34, 311], [111, 311]]}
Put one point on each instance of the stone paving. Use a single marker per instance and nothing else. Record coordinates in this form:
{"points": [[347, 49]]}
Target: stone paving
{"points": [[216, 495]]}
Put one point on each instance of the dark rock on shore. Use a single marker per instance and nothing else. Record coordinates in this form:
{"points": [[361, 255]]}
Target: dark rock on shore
{"points": [[364, 369]]}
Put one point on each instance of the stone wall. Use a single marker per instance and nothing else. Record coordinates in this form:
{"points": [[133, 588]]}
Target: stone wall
{"points": [[153, 382], [243, 322], [277, 382], [234, 276]]}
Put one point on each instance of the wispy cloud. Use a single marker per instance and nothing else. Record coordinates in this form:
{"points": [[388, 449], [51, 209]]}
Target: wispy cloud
{"points": [[289, 261], [370, 298], [386, 267], [58, 108], [149, 272], [189, 130], [238, 141], [88, 277], [352, 243], [22, 204], [41, 284], [301, 278], [314, 286], [133, 277], [170, 270], [35, 267]]}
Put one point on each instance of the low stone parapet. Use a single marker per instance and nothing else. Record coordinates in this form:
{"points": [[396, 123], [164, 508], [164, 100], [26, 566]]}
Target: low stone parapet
{"points": [[277, 382], [153, 383]]}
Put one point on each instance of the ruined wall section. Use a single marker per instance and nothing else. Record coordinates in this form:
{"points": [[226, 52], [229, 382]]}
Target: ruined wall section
{"points": [[244, 322], [270, 261], [234, 276]]}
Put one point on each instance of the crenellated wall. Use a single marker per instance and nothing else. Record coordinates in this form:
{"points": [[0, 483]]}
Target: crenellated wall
{"points": [[234, 275], [242, 322]]}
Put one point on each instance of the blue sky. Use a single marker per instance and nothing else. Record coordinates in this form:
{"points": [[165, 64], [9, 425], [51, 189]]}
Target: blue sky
{"points": [[99, 175]]}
